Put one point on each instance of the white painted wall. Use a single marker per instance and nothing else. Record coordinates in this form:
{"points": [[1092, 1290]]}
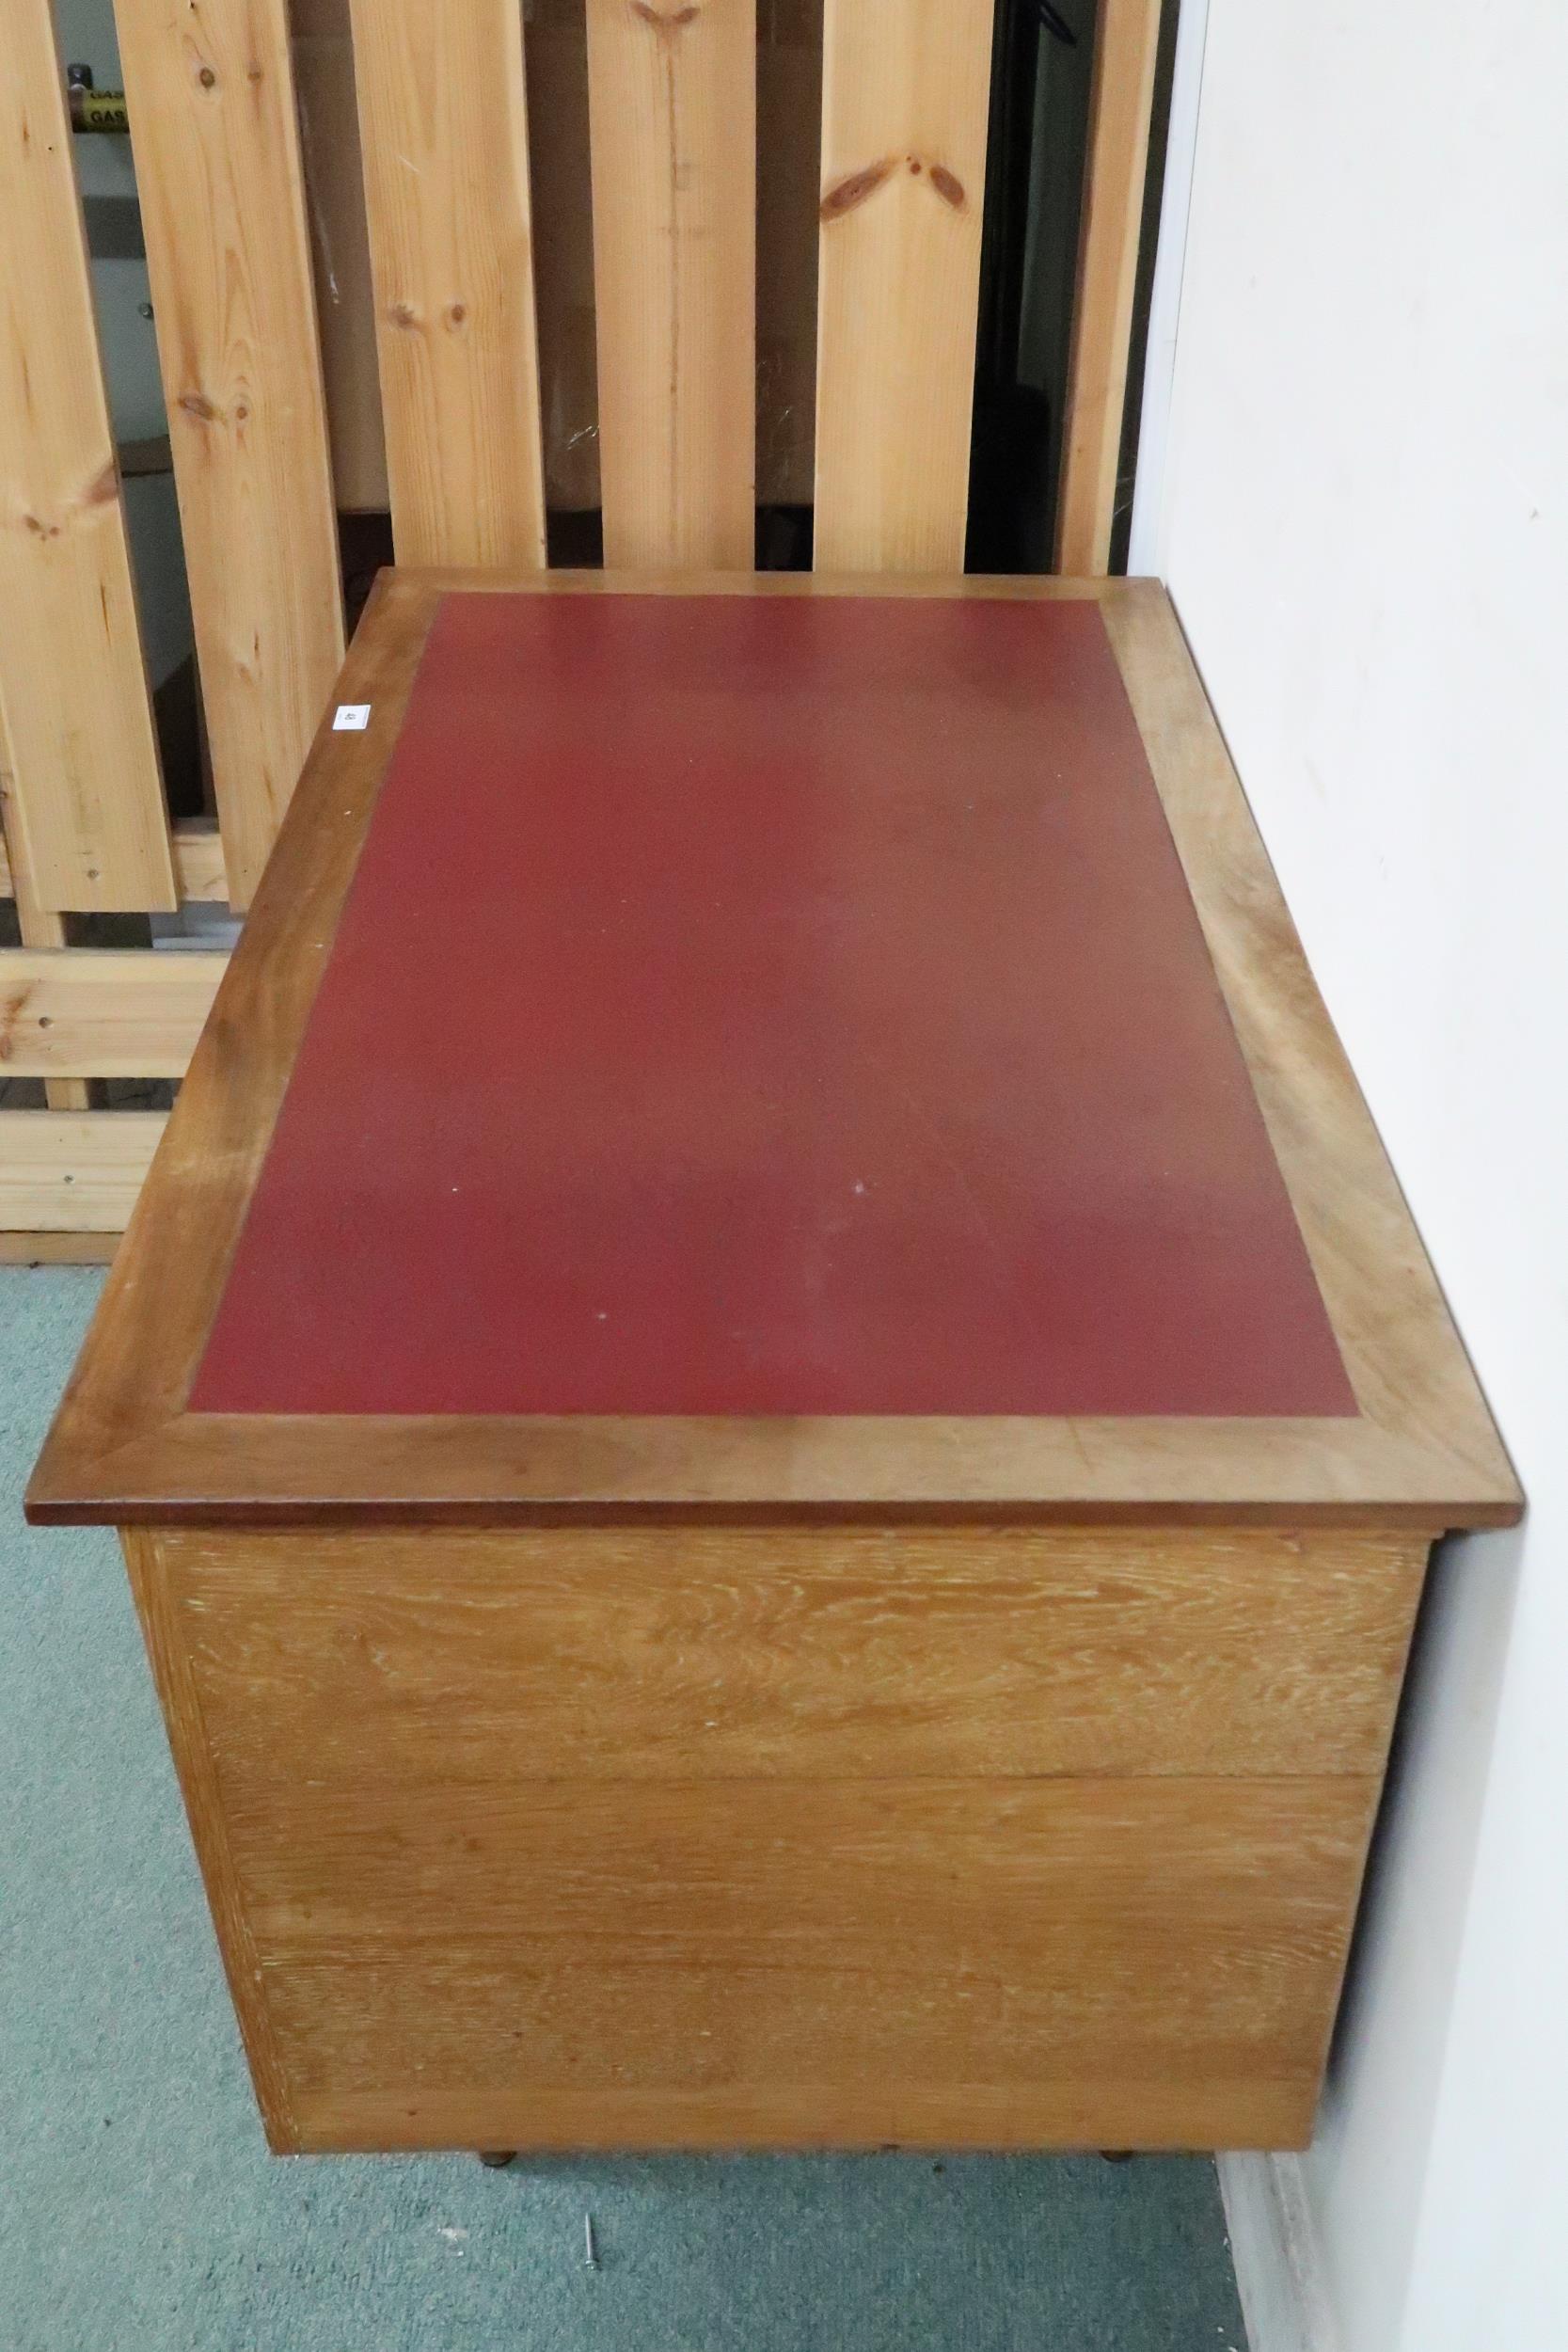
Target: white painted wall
{"points": [[1363, 516]]}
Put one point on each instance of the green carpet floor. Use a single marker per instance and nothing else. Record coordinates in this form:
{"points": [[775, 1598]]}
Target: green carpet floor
{"points": [[141, 2213]]}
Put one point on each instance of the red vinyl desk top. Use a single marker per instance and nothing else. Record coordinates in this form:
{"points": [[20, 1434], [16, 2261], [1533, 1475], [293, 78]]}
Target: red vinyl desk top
{"points": [[769, 1007]]}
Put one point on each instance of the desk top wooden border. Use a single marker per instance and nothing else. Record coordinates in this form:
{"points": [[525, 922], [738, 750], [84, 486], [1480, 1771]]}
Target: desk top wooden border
{"points": [[1424, 1454]]}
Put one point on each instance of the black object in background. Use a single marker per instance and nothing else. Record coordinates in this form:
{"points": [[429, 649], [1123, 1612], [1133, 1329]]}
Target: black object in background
{"points": [[1034, 178]]}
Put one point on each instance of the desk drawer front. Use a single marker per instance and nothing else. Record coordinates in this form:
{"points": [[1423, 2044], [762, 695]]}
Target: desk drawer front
{"points": [[671, 1653], [1003, 1961]]}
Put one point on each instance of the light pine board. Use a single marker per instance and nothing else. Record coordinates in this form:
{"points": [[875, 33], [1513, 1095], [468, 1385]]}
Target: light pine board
{"points": [[58, 1248], [1051, 1962], [1128, 39], [672, 87], [212, 102], [67, 1172], [39, 926], [719, 1897], [905, 89], [103, 1013], [444, 128], [86, 807]]}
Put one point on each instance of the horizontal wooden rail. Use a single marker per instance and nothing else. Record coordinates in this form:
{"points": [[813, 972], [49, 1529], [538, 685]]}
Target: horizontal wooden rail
{"points": [[73, 1171], [97, 1013], [197, 864]]}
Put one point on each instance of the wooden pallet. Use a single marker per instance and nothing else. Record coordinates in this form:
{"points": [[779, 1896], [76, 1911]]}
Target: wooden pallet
{"points": [[444, 122]]}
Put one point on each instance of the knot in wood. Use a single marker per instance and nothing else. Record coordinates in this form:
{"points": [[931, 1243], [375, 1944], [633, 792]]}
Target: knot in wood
{"points": [[666, 23]]}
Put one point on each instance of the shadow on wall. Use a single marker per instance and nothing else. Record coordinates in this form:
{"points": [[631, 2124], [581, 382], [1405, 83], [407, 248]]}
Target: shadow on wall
{"points": [[1389, 2047]]}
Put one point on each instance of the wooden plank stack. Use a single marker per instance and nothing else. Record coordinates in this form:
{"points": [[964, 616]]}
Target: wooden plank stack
{"points": [[445, 133]]}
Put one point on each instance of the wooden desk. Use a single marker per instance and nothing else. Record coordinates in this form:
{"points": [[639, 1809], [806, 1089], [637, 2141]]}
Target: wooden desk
{"points": [[775, 1419]]}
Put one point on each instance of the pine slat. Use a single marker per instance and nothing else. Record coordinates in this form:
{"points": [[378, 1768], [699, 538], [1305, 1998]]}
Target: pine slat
{"points": [[69, 1173], [96, 1012], [905, 88], [198, 866], [1125, 51], [673, 114], [444, 128], [211, 101], [86, 804], [39, 926]]}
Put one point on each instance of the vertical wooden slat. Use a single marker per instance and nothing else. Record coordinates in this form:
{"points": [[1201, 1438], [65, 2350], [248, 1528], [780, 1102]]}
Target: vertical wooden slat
{"points": [[40, 926], [444, 127], [905, 88], [216, 141], [86, 815], [1126, 44], [672, 90]]}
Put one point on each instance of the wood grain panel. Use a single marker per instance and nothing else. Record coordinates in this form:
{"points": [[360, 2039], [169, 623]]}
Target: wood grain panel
{"points": [[65, 1172], [904, 101], [210, 95], [388, 1661], [693, 1873], [102, 1012], [1126, 41], [700, 1947], [444, 126], [86, 804], [673, 116]]}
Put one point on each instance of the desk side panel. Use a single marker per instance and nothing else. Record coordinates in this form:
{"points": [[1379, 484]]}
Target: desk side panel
{"points": [[765, 1837]]}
